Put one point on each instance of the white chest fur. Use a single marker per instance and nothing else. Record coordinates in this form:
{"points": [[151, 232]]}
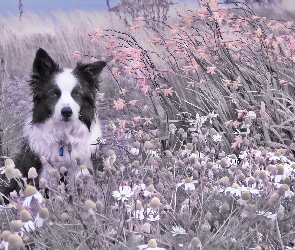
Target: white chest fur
{"points": [[46, 139]]}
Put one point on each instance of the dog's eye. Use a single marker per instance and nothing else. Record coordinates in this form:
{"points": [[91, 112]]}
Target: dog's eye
{"points": [[76, 93], [53, 94]]}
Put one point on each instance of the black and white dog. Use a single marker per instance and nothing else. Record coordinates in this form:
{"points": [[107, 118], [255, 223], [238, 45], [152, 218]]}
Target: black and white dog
{"points": [[63, 124]]}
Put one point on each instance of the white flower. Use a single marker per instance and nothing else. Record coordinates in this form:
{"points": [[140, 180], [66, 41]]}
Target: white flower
{"points": [[245, 164], [38, 196], [251, 115], [146, 247], [39, 222], [189, 183], [147, 193], [2, 171], [153, 216], [211, 115], [268, 215], [238, 190], [134, 151], [151, 245], [233, 161], [272, 156], [83, 172], [4, 244], [217, 137], [184, 207], [29, 226], [138, 214], [177, 230], [110, 160], [242, 154], [233, 191], [123, 194], [200, 119], [288, 193]]}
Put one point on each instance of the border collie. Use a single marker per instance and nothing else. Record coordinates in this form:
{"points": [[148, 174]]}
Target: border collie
{"points": [[63, 124]]}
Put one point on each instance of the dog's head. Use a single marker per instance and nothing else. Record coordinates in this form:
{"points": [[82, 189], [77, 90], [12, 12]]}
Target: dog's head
{"points": [[63, 94]]}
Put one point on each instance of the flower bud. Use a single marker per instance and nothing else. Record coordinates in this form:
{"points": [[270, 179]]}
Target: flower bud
{"points": [[189, 146], [251, 180], [204, 131], [188, 180], [195, 174], [147, 145], [257, 248], [245, 196], [195, 140], [152, 243], [5, 234], [137, 205], [63, 170], [15, 241], [32, 174], [280, 168], [223, 162], [181, 131], [241, 177], [209, 164], [235, 185], [280, 214], [146, 228], [30, 190], [53, 172], [224, 208], [273, 199], [172, 126], [146, 137], [195, 241], [89, 204], [262, 174], [208, 216], [213, 131], [99, 206], [155, 202], [224, 181], [64, 217], [17, 173], [16, 225], [9, 172], [287, 180], [25, 215], [43, 213], [205, 228], [257, 137], [150, 188], [110, 152], [136, 144]]}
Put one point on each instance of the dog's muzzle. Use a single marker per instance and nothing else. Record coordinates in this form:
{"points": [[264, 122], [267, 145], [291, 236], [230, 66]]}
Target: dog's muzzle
{"points": [[66, 112]]}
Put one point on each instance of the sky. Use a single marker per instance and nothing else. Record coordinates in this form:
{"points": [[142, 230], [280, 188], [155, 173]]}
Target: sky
{"points": [[47, 6]]}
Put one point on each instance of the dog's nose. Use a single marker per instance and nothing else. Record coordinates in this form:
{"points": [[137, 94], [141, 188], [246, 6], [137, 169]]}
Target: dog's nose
{"points": [[66, 112]]}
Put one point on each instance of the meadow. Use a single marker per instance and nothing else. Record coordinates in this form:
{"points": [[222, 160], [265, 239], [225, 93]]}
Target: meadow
{"points": [[197, 109]]}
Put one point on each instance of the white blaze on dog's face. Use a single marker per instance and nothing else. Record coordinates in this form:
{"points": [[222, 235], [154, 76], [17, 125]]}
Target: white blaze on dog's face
{"points": [[68, 105], [63, 95]]}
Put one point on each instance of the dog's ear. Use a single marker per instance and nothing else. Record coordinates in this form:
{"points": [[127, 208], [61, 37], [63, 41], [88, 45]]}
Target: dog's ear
{"points": [[92, 69], [43, 64]]}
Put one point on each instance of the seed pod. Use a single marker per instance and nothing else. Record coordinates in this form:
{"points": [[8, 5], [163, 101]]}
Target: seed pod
{"points": [[89, 204], [273, 199], [245, 196], [152, 243]]}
